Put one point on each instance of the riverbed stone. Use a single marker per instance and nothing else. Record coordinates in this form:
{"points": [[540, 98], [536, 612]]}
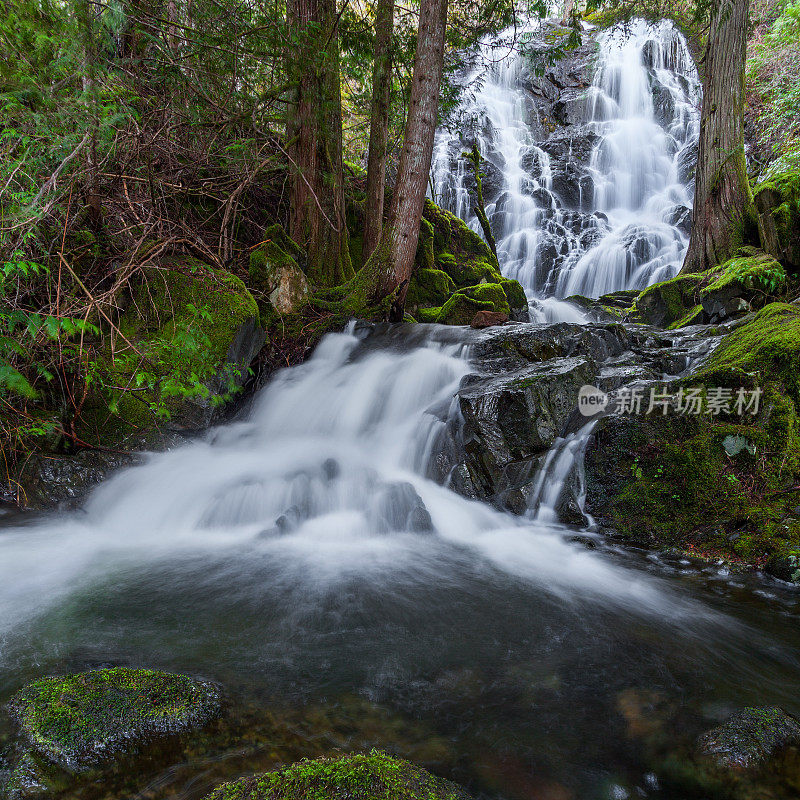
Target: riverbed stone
{"points": [[83, 721], [359, 776], [749, 739]]}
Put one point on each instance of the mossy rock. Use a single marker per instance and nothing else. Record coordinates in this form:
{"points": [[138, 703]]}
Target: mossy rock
{"points": [[81, 721], [196, 329], [667, 302], [713, 482], [277, 249], [456, 249], [767, 347], [515, 294], [368, 776], [750, 269], [465, 303], [276, 274], [428, 288], [777, 202]]}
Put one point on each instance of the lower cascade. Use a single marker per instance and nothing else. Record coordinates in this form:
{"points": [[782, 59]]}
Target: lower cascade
{"points": [[332, 545], [588, 166]]}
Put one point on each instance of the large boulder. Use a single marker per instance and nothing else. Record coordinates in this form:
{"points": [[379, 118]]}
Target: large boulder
{"points": [[197, 328], [361, 776], [713, 475]]}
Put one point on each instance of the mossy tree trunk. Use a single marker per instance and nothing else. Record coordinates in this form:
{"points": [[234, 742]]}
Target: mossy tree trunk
{"points": [[379, 126], [723, 202], [384, 278], [314, 133], [474, 157]]}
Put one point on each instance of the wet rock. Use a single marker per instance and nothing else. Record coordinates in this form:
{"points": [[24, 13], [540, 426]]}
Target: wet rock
{"points": [[724, 303], [360, 776], [681, 217], [48, 480], [687, 162], [486, 319], [571, 108], [749, 739], [85, 721], [511, 419]]}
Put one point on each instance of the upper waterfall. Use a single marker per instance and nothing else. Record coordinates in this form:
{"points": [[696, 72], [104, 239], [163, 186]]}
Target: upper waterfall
{"points": [[588, 167]]}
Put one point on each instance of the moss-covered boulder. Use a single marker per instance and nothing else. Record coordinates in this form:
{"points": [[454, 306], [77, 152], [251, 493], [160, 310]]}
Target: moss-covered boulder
{"points": [[777, 202], [747, 281], [428, 288], [369, 776], [465, 303], [457, 249], [749, 739], [275, 272], [740, 283], [191, 332], [79, 722], [668, 302]]}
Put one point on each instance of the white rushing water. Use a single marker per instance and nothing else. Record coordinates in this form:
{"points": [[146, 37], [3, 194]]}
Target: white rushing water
{"points": [[593, 207], [326, 480]]}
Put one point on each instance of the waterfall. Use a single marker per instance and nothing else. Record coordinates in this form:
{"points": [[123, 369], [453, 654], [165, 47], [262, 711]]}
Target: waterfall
{"points": [[565, 458], [600, 202]]}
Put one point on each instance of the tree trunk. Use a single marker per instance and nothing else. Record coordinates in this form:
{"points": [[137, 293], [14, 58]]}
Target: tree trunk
{"points": [[87, 13], [385, 276], [474, 157], [314, 132], [379, 127], [723, 202]]}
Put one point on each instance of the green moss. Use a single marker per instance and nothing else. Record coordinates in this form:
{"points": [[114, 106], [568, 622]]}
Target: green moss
{"points": [[694, 316], [369, 776], [780, 196], [465, 303], [424, 257], [429, 287], [277, 250], [680, 479], [668, 301], [752, 269], [160, 304], [458, 250], [429, 314], [767, 347], [78, 721], [515, 294]]}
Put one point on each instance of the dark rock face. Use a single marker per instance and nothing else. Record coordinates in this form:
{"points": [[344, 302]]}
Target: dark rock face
{"points": [[749, 739], [524, 394]]}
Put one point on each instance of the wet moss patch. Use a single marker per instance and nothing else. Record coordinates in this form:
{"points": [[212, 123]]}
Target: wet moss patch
{"points": [[370, 776], [84, 720]]}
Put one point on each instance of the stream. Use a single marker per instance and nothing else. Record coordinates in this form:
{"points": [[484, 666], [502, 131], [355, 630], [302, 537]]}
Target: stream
{"points": [[307, 557]]}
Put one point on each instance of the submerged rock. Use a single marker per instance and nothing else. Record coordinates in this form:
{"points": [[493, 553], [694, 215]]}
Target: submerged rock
{"points": [[370, 776], [79, 722], [749, 739]]}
